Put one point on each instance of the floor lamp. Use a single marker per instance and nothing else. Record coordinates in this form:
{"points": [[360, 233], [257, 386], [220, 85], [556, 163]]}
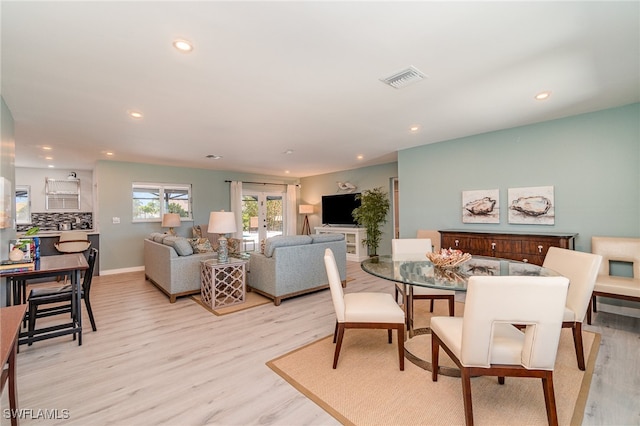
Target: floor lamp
{"points": [[305, 209]]}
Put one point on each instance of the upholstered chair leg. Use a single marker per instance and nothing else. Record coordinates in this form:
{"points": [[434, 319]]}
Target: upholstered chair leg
{"points": [[400, 336], [577, 340], [435, 354], [466, 395], [338, 344], [335, 332], [389, 336], [589, 312], [431, 307], [452, 311], [550, 399]]}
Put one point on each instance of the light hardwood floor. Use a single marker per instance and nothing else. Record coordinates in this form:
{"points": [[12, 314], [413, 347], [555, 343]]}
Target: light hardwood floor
{"points": [[152, 362]]}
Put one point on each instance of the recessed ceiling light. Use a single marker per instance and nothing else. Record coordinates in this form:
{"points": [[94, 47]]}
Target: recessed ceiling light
{"points": [[48, 158], [360, 157], [183, 45], [288, 152], [51, 166], [414, 129], [108, 153], [214, 157], [135, 114], [543, 95], [47, 148], [287, 172]]}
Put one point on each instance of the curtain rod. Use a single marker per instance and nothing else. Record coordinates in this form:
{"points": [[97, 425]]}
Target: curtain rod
{"points": [[265, 183]]}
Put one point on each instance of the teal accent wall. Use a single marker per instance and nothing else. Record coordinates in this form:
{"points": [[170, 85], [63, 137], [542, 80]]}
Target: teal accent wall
{"points": [[121, 245], [7, 171], [592, 161], [314, 187]]}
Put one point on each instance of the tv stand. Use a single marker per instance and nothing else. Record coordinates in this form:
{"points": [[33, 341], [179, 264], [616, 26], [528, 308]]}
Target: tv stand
{"points": [[356, 250]]}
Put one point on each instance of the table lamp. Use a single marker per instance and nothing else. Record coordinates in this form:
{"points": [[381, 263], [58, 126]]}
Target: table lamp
{"points": [[222, 223], [171, 220], [305, 209]]}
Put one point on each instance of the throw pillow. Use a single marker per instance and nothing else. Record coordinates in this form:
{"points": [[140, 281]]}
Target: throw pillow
{"points": [[180, 245], [262, 246], [196, 231], [233, 245], [200, 245]]}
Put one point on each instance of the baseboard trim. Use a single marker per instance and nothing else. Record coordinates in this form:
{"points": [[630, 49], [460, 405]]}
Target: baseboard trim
{"points": [[122, 270]]}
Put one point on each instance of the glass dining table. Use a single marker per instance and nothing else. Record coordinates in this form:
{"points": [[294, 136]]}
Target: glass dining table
{"points": [[423, 273]]}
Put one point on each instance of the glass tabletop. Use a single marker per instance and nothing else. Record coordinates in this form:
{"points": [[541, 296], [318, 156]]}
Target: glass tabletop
{"points": [[423, 273]]}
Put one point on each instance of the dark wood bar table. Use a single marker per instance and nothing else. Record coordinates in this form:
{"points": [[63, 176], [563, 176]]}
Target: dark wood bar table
{"points": [[50, 266], [10, 320]]}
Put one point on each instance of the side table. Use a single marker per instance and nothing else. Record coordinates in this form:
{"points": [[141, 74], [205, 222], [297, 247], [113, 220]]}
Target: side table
{"points": [[222, 284]]}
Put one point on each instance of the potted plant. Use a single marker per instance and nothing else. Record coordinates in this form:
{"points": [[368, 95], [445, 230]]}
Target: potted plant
{"points": [[371, 214]]}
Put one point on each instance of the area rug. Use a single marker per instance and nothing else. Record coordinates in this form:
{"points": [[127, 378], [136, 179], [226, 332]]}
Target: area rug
{"points": [[251, 300], [368, 388]]}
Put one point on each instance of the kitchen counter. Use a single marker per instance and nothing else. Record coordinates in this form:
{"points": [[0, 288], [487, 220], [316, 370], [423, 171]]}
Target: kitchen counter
{"points": [[48, 234]]}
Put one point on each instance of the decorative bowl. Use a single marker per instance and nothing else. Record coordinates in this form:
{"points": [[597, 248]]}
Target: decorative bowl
{"points": [[448, 258]]}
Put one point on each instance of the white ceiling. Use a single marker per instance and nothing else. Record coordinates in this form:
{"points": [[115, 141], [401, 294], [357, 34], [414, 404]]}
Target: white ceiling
{"points": [[266, 77]]}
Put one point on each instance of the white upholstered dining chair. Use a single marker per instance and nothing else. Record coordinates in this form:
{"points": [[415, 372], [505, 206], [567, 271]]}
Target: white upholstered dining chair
{"points": [[484, 342], [407, 249], [362, 310], [581, 269], [616, 249]]}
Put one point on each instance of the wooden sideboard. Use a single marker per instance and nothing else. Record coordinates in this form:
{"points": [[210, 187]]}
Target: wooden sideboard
{"points": [[528, 247]]}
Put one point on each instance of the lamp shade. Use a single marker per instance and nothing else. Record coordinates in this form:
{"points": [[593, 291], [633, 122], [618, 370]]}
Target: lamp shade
{"points": [[222, 222], [305, 209], [170, 220]]}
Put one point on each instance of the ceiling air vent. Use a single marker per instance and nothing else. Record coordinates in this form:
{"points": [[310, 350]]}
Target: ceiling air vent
{"points": [[404, 78]]}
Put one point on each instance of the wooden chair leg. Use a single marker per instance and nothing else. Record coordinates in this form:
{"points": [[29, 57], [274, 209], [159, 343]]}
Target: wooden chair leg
{"points": [[452, 311], [501, 380], [550, 399], [389, 336], [577, 340], [338, 344], [432, 304], [90, 312], [335, 332], [466, 395]]}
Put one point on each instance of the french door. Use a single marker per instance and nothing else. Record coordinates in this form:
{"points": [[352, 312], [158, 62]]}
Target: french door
{"points": [[262, 215]]}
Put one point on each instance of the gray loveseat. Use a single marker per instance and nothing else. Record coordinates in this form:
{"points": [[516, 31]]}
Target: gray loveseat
{"points": [[294, 265], [172, 266]]}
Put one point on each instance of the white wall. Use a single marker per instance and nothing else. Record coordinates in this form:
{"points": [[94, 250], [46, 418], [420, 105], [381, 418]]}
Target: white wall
{"points": [[35, 178]]}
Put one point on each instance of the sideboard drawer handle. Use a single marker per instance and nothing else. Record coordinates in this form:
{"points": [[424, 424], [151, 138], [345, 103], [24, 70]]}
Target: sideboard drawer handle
{"points": [[493, 246], [540, 249], [457, 242]]}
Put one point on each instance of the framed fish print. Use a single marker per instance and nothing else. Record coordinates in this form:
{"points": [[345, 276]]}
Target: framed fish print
{"points": [[481, 206], [534, 205]]}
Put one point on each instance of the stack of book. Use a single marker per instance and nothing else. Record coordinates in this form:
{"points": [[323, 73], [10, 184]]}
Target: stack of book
{"points": [[24, 265]]}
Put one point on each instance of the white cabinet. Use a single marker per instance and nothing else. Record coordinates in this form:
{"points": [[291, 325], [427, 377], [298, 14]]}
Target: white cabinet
{"points": [[356, 250]]}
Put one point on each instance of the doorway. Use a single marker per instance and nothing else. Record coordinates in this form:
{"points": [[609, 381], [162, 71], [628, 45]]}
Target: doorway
{"points": [[262, 215]]}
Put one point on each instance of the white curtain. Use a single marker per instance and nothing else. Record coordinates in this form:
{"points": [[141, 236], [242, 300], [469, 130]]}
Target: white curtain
{"points": [[292, 216], [236, 206]]}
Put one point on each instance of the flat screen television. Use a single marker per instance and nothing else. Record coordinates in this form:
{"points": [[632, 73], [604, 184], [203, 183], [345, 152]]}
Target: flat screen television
{"points": [[336, 209]]}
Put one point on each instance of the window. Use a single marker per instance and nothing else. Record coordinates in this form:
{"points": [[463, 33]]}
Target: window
{"points": [[152, 200], [23, 204]]}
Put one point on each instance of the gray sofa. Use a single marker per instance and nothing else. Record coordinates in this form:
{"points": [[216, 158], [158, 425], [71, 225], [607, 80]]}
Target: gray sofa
{"points": [[294, 265], [171, 265]]}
